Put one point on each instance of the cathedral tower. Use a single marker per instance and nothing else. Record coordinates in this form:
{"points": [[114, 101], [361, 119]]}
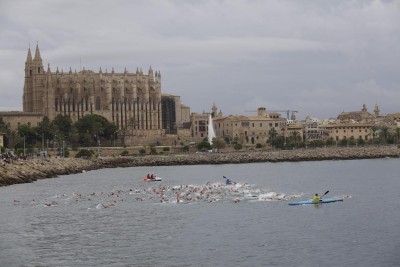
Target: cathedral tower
{"points": [[34, 82]]}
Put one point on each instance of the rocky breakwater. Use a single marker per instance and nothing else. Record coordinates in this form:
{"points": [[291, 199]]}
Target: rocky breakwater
{"points": [[255, 156], [34, 169], [25, 171]]}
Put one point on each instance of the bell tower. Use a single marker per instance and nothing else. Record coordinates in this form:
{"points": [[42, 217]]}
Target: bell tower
{"points": [[27, 96], [34, 82]]}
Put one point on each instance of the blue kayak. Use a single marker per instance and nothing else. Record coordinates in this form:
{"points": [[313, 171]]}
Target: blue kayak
{"points": [[322, 201]]}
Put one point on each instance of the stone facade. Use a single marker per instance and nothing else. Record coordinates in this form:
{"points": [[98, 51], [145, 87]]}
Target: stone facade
{"points": [[199, 124], [350, 130], [131, 100], [13, 119], [249, 130]]}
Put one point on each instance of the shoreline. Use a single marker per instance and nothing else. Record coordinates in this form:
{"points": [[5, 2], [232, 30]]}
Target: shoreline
{"points": [[31, 170]]}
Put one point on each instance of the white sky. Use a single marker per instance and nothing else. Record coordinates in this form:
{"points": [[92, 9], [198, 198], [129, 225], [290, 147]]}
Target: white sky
{"points": [[317, 57]]}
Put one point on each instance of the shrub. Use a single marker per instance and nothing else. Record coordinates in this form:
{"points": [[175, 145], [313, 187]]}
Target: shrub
{"points": [[125, 153], [84, 153], [142, 151], [258, 145], [237, 146]]}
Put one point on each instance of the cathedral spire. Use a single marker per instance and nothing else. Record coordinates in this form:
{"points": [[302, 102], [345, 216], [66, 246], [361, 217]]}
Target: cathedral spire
{"points": [[29, 56], [37, 57], [49, 72]]}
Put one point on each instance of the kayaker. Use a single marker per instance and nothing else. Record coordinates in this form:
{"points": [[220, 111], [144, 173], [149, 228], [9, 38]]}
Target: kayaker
{"points": [[228, 181], [316, 198]]}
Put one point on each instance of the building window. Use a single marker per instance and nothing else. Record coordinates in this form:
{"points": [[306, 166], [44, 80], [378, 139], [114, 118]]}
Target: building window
{"points": [[97, 103]]}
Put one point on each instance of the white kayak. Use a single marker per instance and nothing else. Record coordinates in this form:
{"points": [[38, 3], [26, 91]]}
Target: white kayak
{"points": [[155, 179]]}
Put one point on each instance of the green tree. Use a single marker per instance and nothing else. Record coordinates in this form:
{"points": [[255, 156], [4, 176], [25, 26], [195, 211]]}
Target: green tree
{"points": [[279, 142], [294, 139], [204, 145], [93, 128], [84, 153], [360, 141], [218, 143], [352, 141], [62, 125], [25, 131], [343, 142], [6, 131], [330, 142], [384, 134], [316, 143], [272, 135]]}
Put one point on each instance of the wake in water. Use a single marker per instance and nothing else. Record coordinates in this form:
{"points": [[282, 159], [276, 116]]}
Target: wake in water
{"points": [[177, 194]]}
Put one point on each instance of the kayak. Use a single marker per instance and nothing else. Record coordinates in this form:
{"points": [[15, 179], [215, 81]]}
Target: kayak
{"points": [[155, 179], [322, 201]]}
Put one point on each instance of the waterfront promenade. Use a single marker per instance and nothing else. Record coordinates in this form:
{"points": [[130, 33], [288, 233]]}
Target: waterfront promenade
{"points": [[25, 171]]}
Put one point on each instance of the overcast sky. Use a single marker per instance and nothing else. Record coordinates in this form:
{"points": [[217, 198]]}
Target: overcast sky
{"points": [[317, 57]]}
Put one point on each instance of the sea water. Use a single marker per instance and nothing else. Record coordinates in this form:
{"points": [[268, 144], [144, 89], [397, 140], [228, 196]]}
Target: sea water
{"points": [[111, 217]]}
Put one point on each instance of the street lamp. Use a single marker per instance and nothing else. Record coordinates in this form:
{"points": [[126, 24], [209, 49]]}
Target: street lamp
{"points": [[43, 142], [42, 152], [24, 141]]}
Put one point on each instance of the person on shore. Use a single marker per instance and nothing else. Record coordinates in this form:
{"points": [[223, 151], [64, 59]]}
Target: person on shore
{"points": [[316, 198]]}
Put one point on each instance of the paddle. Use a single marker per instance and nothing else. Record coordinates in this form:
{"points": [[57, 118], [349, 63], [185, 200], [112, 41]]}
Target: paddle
{"points": [[229, 180], [324, 194]]}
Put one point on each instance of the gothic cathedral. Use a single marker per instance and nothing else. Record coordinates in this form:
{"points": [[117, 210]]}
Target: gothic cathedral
{"points": [[131, 100]]}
